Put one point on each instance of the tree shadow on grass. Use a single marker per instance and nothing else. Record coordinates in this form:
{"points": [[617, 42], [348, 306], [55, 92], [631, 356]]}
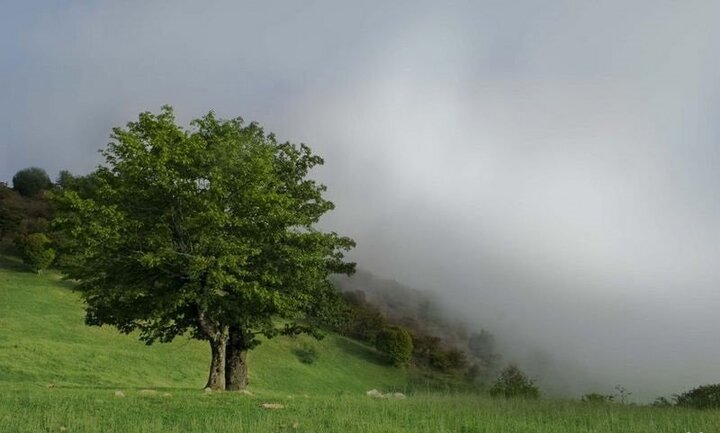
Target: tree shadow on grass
{"points": [[361, 351]]}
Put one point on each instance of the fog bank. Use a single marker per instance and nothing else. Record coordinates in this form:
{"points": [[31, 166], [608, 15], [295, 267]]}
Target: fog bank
{"points": [[551, 169]]}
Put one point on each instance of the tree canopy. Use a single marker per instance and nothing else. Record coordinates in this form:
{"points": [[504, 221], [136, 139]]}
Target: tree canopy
{"points": [[208, 230], [30, 181]]}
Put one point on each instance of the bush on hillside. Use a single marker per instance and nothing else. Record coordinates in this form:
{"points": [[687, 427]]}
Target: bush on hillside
{"points": [[702, 397], [35, 251], [396, 344], [30, 181], [306, 353], [512, 382]]}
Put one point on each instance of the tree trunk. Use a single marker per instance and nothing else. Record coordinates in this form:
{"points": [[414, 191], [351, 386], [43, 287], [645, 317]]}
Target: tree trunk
{"points": [[216, 379], [236, 368], [217, 335]]}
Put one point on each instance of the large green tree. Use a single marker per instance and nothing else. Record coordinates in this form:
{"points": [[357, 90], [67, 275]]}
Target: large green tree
{"points": [[208, 230]]}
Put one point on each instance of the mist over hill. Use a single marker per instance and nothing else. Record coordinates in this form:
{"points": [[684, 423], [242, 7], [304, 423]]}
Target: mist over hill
{"points": [[547, 170]]}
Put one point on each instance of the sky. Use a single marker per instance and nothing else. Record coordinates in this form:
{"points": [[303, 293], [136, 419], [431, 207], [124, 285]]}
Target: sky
{"points": [[549, 167]]}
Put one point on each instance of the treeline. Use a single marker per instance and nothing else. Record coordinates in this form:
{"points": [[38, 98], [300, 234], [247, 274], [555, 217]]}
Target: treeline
{"points": [[376, 305], [23, 207], [25, 215]]}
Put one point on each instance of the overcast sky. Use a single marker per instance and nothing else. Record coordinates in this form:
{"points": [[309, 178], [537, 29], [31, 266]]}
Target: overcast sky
{"points": [[552, 166]]}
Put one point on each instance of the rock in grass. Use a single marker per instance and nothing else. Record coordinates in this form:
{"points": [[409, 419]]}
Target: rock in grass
{"points": [[272, 406], [148, 392], [119, 394], [208, 390], [167, 395], [374, 393], [245, 392]]}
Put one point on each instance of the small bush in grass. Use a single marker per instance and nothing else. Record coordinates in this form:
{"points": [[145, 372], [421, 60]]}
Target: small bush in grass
{"points": [[306, 353], [702, 397], [35, 251], [396, 344], [512, 382]]}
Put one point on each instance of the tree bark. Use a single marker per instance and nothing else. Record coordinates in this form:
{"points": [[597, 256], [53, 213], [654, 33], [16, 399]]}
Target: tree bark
{"points": [[236, 368], [217, 335], [216, 378]]}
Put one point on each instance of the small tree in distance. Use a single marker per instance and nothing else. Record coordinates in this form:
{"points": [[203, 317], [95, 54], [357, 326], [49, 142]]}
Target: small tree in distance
{"points": [[512, 382], [30, 181]]}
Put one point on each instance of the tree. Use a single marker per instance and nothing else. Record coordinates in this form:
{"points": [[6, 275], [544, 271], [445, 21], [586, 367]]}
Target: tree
{"points": [[512, 382], [702, 397], [36, 252], [20, 215], [10, 216], [30, 181], [396, 344], [208, 230]]}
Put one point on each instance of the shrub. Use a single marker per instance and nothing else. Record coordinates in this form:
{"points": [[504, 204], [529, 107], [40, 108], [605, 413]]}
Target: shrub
{"points": [[36, 252], [396, 344], [306, 353], [702, 397], [512, 382]]}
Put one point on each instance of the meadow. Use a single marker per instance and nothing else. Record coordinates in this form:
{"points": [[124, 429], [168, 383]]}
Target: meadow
{"points": [[59, 375]]}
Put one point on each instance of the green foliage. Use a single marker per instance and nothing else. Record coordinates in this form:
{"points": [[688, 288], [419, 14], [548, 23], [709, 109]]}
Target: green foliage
{"points": [[512, 382], [702, 397], [396, 344], [30, 181], [306, 353], [597, 398], [362, 320], [20, 215], [10, 215], [35, 251], [202, 230], [431, 351]]}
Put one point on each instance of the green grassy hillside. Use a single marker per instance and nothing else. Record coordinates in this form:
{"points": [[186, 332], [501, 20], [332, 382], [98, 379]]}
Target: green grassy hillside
{"points": [[58, 375], [44, 340]]}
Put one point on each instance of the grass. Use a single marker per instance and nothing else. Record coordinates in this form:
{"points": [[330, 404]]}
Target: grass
{"points": [[58, 375]]}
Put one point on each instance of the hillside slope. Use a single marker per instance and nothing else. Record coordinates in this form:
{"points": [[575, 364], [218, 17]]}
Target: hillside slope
{"points": [[58, 375], [43, 340]]}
